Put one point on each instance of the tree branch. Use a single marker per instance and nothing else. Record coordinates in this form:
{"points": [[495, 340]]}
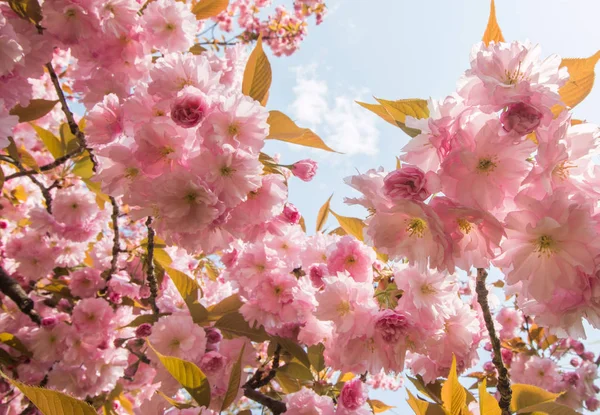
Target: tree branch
{"points": [[50, 166], [70, 119], [277, 407], [150, 267], [257, 380], [116, 245], [15, 292], [503, 378]]}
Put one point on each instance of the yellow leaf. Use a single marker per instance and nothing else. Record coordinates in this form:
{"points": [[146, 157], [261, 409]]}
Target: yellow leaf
{"points": [[2, 177], [197, 49], [211, 270], [488, 405], [398, 163], [379, 110], [454, 396], [580, 83], [234, 325], [257, 75], [492, 31], [84, 168], [27, 9], [37, 108], [173, 402], [529, 395], [416, 108], [101, 198], [189, 375], [188, 288], [227, 305], [346, 377], [162, 258], [550, 408], [51, 142], [302, 222], [282, 128], [209, 8], [323, 214], [234, 381], [20, 194], [125, 404], [51, 402], [13, 341], [27, 159], [378, 406], [287, 383], [421, 407], [352, 226]]}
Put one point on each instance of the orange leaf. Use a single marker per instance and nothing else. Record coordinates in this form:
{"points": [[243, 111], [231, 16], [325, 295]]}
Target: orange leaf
{"points": [[580, 83], [493, 33]]}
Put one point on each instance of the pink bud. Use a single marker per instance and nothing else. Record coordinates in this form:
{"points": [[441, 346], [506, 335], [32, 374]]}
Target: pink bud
{"points": [[143, 330], [49, 322], [3, 224], [213, 335], [189, 108], [212, 362], [589, 356], [391, 326], [487, 347], [316, 273], [353, 395], [577, 346], [592, 404], [574, 362], [507, 356], [408, 182], [291, 214], [520, 118], [572, 378], [305, 169], [489, 367]]}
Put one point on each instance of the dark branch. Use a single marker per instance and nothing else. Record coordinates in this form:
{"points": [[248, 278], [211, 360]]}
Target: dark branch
{"points": [[50, 166], [116, 246], [503, 378], [277, 407], [150, 267], [15, 292], [70, 119], [258, 380]]}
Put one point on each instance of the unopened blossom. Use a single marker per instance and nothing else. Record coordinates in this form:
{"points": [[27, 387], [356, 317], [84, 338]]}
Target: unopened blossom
{"points": [[190, 107], [304, 169]]}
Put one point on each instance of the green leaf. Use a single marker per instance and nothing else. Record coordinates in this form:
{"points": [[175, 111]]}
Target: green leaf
{"points": [[287, 383], [234, 381], [37, 108], [378, 406], [189, 375], [431, 390], [84, 167], [189, 289], [257, 75], [227, 305], [296, 371], [13, 341], [315, 356], [282, 128], [488, 405], [27, 9], [144, 318], [524, 396], [323, 214], [352, 226], [205, 9], [27, 159], [234, 325], [294, 349], [51, 142], [454, 396], [51, 402]]}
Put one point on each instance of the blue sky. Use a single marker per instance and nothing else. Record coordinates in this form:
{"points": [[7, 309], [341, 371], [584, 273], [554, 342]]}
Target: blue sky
{"points": [[397, 49]]}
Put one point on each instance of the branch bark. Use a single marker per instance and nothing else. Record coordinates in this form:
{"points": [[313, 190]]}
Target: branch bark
{"points": [[116, 244], [503, 378], [15, 292], [150, 267], [277, 407]]}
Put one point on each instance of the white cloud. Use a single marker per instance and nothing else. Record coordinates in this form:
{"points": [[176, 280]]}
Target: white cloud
{"points": [[342, 123]]}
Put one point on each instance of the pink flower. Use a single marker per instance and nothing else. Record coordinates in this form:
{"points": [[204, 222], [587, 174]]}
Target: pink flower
{"points": [[175, 71], [86, 282], [413, 231], [485, 175], [351, 255], [160, 147], [307, 402], [93, 315], [409, 182], [190, 107], [74, 206], [510, 320], [520, 118], [212, 362], [371, 185], [179, 336], [304, 169], [391, 326], [547, 242], [104, 121], [291, 213], [353, 394], [170, 27], [7, 122]]}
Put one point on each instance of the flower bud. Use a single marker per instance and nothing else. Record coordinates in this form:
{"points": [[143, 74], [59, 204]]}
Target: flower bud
{"points": [[143, 330], [291, 214], [189, 108], [213, 335], [353, 395], [305, 169], [520, 118], [49, 322]]}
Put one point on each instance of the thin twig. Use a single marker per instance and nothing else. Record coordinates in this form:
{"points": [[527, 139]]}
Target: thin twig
{"points": [[70, 119], [50, 166], [15, 292], [503, 378], [150, 267], [116, 245], [257, 380], [45, 191]]}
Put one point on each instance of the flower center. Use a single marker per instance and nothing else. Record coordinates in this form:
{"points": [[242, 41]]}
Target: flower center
{"points": [[427, 289], [464, 225], [165, 151], [191, 197], [486, 165], [350, 260], [416, 226], [170, 27], [131, 172], [545, 245], [513, 77], [343, 308], [562, 170], [233, 129], [227, 171]]}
